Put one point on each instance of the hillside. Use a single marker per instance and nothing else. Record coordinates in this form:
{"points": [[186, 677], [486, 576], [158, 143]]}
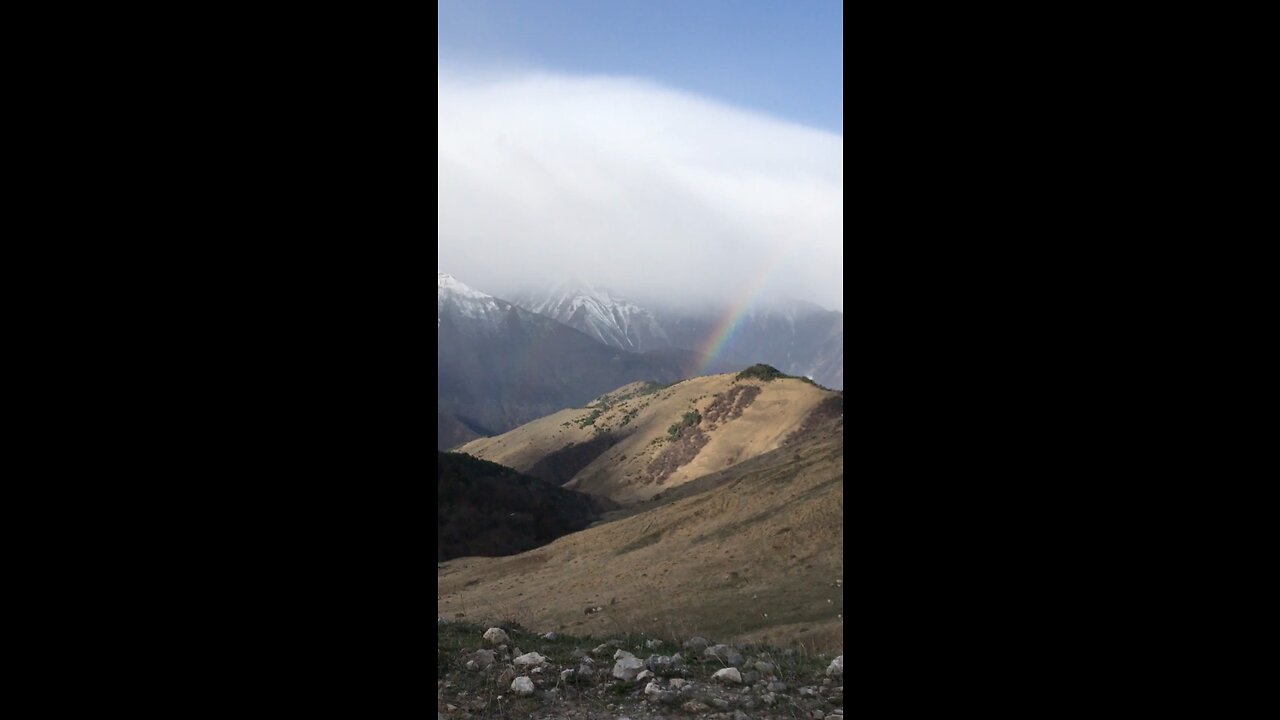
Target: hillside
{"points": [[483, 508], [750, 553], [643, 439]]}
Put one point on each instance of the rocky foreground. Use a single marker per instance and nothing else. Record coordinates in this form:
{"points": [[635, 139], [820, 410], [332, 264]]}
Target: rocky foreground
{"points": [[504, 672]]}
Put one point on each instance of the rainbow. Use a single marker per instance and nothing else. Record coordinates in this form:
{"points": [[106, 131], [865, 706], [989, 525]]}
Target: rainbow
{"points": [[722, 331]]}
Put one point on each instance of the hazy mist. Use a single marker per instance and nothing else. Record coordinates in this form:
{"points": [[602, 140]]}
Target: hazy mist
{"points": [[656, 193]]}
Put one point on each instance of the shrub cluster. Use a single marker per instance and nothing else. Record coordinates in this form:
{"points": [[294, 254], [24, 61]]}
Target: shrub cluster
{"points": [[689, 419]]}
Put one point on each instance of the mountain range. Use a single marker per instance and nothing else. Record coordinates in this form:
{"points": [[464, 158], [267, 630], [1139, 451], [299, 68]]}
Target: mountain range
{"points": [[499, 366], [505, 362], [600, 313], [797, 337]]}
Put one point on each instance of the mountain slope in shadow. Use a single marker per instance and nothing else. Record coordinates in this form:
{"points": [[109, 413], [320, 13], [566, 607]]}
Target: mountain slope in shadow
{"points": [[483, 508]]}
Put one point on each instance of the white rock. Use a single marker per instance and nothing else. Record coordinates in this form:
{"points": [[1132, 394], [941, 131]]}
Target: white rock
{"points": [[652, 689], [621, 654], [836, 668], [550, 636], [528, 659], [627, 668], [495, 636], [728, 675], [653, 644], [522, 686], [677, 683], [644, 675]]}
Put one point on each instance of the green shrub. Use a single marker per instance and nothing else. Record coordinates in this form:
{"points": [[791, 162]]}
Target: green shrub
{"points": [[689, 419], [768, 372], [761, 371]]}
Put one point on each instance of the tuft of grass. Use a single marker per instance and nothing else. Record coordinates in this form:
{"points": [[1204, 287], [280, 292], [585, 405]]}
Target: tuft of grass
{"points": [[622, 687]]}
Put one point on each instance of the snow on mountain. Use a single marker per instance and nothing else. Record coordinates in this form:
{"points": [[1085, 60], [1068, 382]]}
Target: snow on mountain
{"points": [[467, 305], [795, 336], [600, 313], [449, 285], [499, 366]]}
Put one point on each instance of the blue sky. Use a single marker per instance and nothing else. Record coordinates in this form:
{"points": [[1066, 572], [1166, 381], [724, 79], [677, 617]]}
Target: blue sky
{"points": [[781, 58]]}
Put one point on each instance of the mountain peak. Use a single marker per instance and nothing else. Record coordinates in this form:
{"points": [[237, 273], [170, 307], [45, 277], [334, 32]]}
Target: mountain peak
{"points": [[598, 312], [577, 287], [449, 285]]}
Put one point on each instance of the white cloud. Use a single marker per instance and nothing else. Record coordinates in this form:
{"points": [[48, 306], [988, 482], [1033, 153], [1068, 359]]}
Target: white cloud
{"points": [[629, 184]]}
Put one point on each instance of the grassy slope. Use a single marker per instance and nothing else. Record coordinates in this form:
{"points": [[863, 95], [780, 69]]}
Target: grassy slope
{"points": [[640, 422], [756, 555]]}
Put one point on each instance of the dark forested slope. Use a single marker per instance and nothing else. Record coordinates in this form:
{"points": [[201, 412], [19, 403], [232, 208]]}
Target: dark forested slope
{"points": [[484, 508]]}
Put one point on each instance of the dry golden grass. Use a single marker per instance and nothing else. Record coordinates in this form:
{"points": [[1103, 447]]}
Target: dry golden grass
{"points": [[621, 473], [751, 553]]}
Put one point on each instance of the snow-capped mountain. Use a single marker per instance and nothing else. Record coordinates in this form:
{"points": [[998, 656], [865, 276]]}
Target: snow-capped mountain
{"points": [[797, 337], [499, 365], [473, 309], [600, 313]]}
